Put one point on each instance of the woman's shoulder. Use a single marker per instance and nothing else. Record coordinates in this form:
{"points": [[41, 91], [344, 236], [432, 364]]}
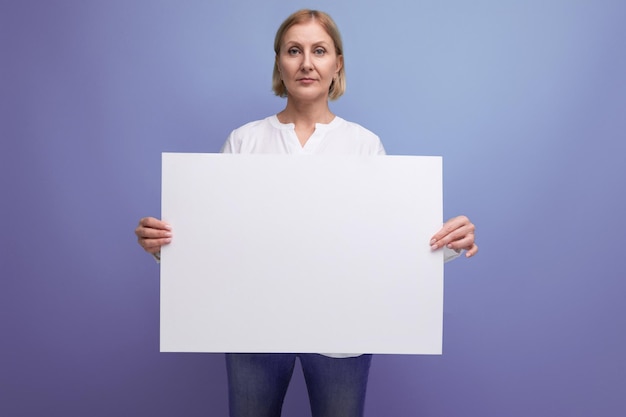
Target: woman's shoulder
{"points": [[251, 133], [355, 130], [355, 138], [254, 126], [354, 127]]}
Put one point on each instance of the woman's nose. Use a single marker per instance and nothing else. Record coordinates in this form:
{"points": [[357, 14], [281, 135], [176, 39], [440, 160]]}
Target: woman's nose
{"points": [[307, 64]]}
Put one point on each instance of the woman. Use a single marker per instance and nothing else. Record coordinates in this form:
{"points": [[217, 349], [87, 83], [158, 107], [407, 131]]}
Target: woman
{"points": [[308, 71]]}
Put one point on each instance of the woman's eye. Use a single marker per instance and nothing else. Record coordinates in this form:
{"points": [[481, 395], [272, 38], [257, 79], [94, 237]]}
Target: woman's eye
{"points": [[320, 51], [293, 51]]}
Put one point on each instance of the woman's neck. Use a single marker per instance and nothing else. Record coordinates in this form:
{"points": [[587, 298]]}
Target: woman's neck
{"points": [[306, 115]]}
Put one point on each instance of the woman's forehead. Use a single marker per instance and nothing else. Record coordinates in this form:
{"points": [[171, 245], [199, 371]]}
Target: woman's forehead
{"points": [[307, 32]]}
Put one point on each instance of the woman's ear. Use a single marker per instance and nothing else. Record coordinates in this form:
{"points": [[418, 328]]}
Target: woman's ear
{"points": [[280, 73], [339, 64]]}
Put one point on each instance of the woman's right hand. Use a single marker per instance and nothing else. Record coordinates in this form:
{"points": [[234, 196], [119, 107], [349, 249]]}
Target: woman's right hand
{"points": [[152, 234]]}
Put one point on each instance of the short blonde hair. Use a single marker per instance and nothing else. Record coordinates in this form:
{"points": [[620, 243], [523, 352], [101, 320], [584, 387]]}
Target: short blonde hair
{"points": [[338, 86]]}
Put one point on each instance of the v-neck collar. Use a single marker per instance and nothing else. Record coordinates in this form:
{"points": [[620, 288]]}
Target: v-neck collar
{"points": [[314, 140]]}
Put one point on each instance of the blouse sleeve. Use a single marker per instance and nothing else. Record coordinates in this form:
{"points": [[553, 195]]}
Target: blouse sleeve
{"points": [[450, 254], [229, 145]]}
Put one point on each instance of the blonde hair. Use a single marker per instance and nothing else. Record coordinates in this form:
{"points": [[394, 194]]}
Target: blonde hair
{"points": [[338, 86]]}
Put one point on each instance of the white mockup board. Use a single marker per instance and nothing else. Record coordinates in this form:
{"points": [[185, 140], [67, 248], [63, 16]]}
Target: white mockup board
{"points": [[283, 253]]}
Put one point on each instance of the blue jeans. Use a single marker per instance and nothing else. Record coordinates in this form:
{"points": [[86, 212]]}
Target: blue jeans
{"points": [[257, 383]]}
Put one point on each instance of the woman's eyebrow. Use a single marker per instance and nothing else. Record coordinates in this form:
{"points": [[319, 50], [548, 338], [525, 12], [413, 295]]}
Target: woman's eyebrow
{"points": [[298, 43]]}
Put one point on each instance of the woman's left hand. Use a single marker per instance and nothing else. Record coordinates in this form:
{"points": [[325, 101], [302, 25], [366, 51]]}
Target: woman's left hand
{"points": [[457, 233]]}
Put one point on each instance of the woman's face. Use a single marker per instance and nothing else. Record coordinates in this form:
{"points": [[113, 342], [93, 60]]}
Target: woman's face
{"points": [[307, 62]]}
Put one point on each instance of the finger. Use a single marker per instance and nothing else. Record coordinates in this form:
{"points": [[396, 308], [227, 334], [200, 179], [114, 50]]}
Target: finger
{"points": [[150, 233], [455, 235], [154, 223], [449, 226], [472, 251], [154, 245], [466, 243]]}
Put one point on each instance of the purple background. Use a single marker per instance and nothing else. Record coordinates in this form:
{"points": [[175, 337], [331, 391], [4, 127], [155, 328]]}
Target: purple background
{"points": [[526, 101]]}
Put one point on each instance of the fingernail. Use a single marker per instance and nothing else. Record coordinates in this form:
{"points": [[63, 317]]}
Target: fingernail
{"points": [[449, 245], [433, 240], [168, 234], [168, 227], [433, 247]]}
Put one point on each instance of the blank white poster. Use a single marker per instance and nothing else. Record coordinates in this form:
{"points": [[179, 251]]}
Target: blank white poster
{"points": [[282, 253]]}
